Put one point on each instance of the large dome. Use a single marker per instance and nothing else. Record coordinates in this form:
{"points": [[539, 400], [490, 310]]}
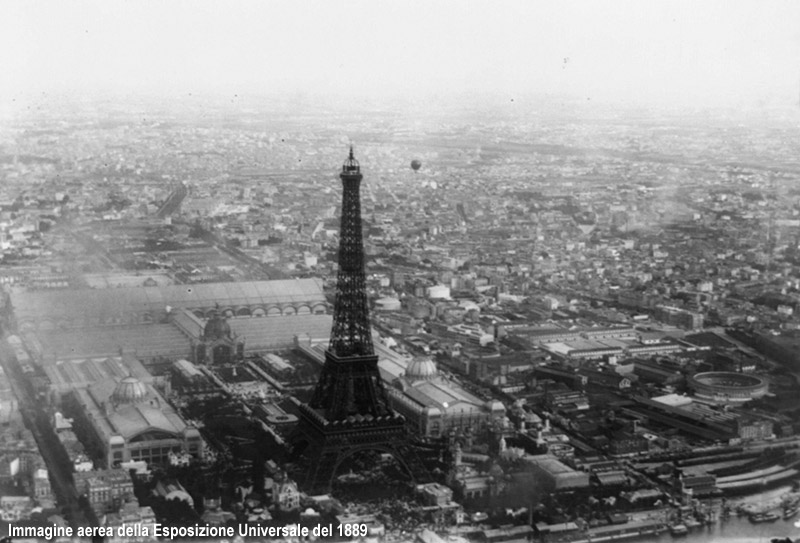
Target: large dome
{"points": [[129, 390], [217, 327], [421, 368]]}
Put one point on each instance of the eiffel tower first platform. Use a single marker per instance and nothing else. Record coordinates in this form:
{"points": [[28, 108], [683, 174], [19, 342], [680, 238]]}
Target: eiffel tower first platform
{"points": [[349, 411]]}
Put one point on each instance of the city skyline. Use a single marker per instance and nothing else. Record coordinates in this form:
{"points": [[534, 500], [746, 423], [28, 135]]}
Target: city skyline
{"points": [[562, 308]]}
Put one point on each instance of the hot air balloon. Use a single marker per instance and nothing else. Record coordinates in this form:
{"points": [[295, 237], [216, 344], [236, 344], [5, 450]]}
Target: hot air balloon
{"points": [[416, 164]]}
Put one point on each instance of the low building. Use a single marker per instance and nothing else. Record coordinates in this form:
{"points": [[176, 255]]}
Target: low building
{"points": [[653, 372], [15, 508], [131, 519], [473, 487], [561, 375], [585, 349], [607, 379], [129, 420], [105, 490], [626, 443], [561, 476], [497, 367], [434, 494], [188, 379], [679, 317], [172, 489], [285, 495], [698, 485], [755, 429], [42, 490], [573, 399], [513, 533], [555, 532]]}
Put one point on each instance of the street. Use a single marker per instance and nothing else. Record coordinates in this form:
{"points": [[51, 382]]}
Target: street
{"points": [[36, 420]]}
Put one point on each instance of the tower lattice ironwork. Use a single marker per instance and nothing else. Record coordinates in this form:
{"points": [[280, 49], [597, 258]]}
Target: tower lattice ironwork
{"points": [[349, 410]]}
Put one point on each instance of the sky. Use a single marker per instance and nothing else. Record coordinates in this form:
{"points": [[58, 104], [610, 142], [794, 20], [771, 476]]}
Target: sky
{"points": [[692, 52]]}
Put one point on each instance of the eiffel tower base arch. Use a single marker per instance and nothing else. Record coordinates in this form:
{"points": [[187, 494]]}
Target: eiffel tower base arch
{"points": [[322, 450]]}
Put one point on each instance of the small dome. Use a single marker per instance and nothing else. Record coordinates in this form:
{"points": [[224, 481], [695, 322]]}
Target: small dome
{"points": [[494, 405], [433, 412], [496, 471], [217, 327], [129, 390], [421, 368]]}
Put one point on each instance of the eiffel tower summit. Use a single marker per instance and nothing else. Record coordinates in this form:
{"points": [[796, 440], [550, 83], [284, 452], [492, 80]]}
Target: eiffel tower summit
{"points": [[349, 411]]}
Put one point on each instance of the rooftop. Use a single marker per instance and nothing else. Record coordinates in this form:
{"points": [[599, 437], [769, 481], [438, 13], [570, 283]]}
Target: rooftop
{"points": [[66, 304], [146, 340]]}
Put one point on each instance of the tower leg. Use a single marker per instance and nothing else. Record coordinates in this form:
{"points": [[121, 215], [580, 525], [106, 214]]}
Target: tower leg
{"points": [[321, 470], [326, 451]]}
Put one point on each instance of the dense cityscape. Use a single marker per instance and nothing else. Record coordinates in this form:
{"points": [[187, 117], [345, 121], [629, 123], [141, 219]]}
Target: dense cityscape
{"points": [[585, 319]]}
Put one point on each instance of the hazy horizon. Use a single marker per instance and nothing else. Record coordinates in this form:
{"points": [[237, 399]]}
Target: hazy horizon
{"points": [[734, 53]]}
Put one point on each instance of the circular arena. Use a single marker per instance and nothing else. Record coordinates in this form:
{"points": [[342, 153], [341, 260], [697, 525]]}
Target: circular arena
{"points": [[728, 387]]}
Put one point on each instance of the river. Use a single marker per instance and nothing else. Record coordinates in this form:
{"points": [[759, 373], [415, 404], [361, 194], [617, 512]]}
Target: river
{"points": [[734, 530], [740, 529]]}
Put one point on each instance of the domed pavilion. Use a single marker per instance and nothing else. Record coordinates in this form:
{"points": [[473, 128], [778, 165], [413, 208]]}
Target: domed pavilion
{"points": [[434, 404]]}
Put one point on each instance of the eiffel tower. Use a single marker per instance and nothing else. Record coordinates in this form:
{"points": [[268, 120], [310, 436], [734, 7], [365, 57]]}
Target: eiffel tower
{"points": [[349, 410]]}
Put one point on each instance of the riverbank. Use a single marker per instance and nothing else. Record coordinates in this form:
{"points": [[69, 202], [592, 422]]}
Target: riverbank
{"points": [[673, 525]]}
